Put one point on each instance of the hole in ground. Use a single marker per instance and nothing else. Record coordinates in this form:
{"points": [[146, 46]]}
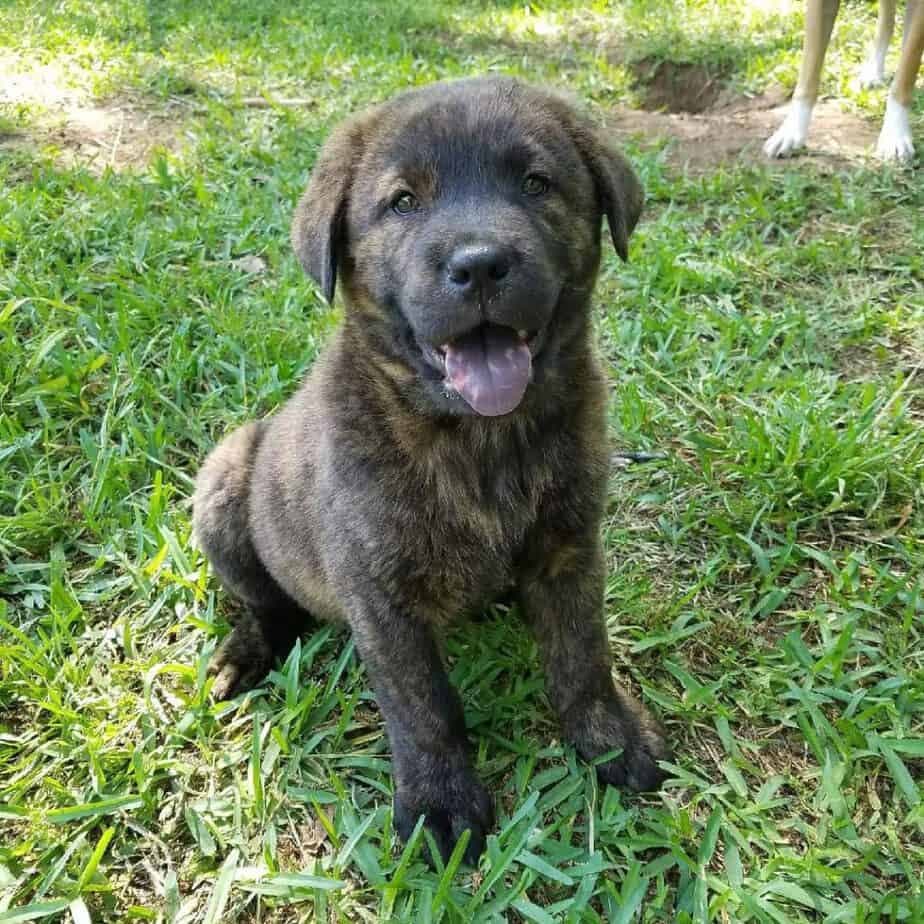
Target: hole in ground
{"points": [[676, 87]]}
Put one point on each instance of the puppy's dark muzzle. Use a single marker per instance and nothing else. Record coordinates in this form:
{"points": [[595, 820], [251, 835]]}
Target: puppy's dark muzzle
{"points": [[483, 285], [480, 268], [480, 305]]}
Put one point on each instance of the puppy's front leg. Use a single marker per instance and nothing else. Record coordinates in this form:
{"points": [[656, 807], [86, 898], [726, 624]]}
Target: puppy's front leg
{"points": [[426, 728], [563, 602]]}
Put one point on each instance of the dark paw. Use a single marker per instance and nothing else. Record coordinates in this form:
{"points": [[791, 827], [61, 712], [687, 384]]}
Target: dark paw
{"points": [[242, 660], [637, 766], [452, 801], [598, 726]]}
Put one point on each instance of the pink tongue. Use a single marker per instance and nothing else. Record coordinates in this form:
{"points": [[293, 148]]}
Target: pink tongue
{"points": [[490, 368]]}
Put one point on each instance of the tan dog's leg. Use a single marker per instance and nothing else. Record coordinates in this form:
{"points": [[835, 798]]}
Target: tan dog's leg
{"points": [[895, 138], [872, 73], [791, 135]]}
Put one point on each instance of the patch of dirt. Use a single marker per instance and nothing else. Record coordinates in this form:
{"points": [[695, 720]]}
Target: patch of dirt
{"points": [[120, 133], [117, 135], [299, 846], [676, 87], [734, 128], [879, 359]]}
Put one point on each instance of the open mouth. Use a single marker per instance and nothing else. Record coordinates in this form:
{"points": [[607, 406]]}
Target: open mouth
{"points": [[489, 367]]}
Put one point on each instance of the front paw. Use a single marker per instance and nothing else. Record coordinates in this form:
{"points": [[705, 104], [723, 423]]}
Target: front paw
{"points": [[451, 799], [895, 142], [598, 725], [790, 136]]}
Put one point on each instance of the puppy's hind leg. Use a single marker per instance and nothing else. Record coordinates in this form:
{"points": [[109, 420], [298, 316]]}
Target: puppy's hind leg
{"points": [[272, 620]]}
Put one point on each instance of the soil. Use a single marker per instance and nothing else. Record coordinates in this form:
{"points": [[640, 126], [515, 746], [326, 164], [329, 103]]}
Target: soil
{"points": [[676, 87], [690, 107], [118, 133], [707, 125]]}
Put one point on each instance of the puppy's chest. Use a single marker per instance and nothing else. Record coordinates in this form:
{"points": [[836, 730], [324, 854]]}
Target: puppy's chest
{"points": [[466, 526]]}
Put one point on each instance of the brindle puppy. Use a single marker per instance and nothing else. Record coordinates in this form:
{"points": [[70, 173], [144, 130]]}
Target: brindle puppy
{"points": [[450, 443]]}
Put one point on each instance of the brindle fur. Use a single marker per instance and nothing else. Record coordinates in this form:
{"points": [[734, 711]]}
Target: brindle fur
{"points": [[374, 499]]}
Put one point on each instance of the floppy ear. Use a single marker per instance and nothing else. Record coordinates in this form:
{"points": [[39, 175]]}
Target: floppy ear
{"points": [[318, 228], [620, 192], [618, 188]]}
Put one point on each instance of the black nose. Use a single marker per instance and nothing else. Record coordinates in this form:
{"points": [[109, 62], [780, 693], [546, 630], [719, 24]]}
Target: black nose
{"points": [[474, 266]]}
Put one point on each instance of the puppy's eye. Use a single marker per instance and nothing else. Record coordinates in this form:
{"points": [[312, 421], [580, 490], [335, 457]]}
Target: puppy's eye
{"points": [[404, 202], [535, 185]]}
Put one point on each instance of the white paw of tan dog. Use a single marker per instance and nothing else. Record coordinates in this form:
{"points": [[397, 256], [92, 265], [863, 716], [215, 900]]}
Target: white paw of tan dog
{"points": [[872, 72], [895, 138], [791, 135]]}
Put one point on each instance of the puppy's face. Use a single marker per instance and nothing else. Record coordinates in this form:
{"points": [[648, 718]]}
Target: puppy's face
{"points": [[464, 220]]}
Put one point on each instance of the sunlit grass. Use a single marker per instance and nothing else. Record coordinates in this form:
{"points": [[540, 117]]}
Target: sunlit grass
{"points": [[765, 342]]}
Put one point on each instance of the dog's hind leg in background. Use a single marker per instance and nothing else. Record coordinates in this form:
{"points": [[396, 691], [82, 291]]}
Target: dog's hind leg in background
{"points": [[895, 138], [872, 73]]}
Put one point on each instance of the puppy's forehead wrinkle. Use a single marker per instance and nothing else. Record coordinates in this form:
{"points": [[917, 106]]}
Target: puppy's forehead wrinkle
{"points": [[467, 139], [420, 179]]}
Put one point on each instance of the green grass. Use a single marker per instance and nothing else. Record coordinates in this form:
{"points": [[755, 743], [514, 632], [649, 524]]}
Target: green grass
{"points": [[765, 584]]}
